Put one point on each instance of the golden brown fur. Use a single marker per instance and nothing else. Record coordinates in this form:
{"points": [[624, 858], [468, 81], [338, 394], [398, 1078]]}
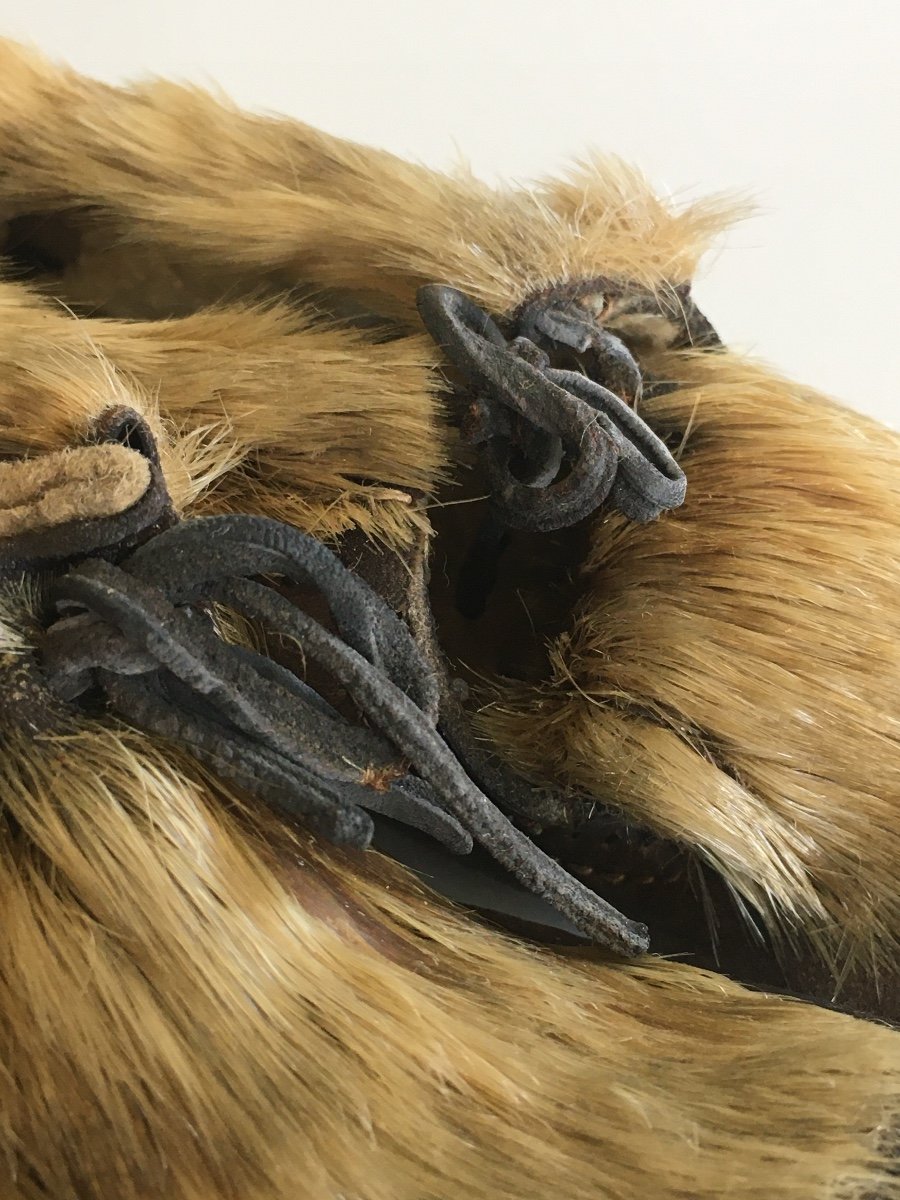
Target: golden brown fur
{"points": [[230, 201], [183, 1015], [198, 1004], [318, 425], [730, 677]]}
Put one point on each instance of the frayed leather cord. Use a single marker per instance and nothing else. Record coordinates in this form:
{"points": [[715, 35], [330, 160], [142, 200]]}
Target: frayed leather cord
{"points": [[138, 632]]}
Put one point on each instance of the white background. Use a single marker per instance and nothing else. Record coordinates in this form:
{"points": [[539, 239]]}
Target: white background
{"points": [[793, 101]]}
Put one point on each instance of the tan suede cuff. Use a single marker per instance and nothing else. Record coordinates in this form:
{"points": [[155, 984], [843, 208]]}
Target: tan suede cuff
{"points": [[79, 484]]}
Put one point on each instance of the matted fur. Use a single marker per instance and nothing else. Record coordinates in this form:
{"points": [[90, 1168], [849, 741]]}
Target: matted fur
{"points": [[198, 1003]]}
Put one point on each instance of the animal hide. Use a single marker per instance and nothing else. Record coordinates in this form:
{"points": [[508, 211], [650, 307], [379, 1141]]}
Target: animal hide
{"points": [[200, 998]]}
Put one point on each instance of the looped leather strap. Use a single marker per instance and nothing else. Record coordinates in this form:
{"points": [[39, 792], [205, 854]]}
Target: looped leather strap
{"points": [[137, 630], [556, 443]]}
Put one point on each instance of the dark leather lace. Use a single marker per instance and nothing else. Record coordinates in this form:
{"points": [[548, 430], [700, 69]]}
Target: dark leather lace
{"points": [[556, 444], [139, 631]]}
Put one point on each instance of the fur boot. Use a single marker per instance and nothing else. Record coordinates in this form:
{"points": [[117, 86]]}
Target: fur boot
{"points": [[203, 999]]}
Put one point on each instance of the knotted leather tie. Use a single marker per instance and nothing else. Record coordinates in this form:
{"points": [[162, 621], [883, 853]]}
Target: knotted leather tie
{"points": [[139, 630], [556, 443]]}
